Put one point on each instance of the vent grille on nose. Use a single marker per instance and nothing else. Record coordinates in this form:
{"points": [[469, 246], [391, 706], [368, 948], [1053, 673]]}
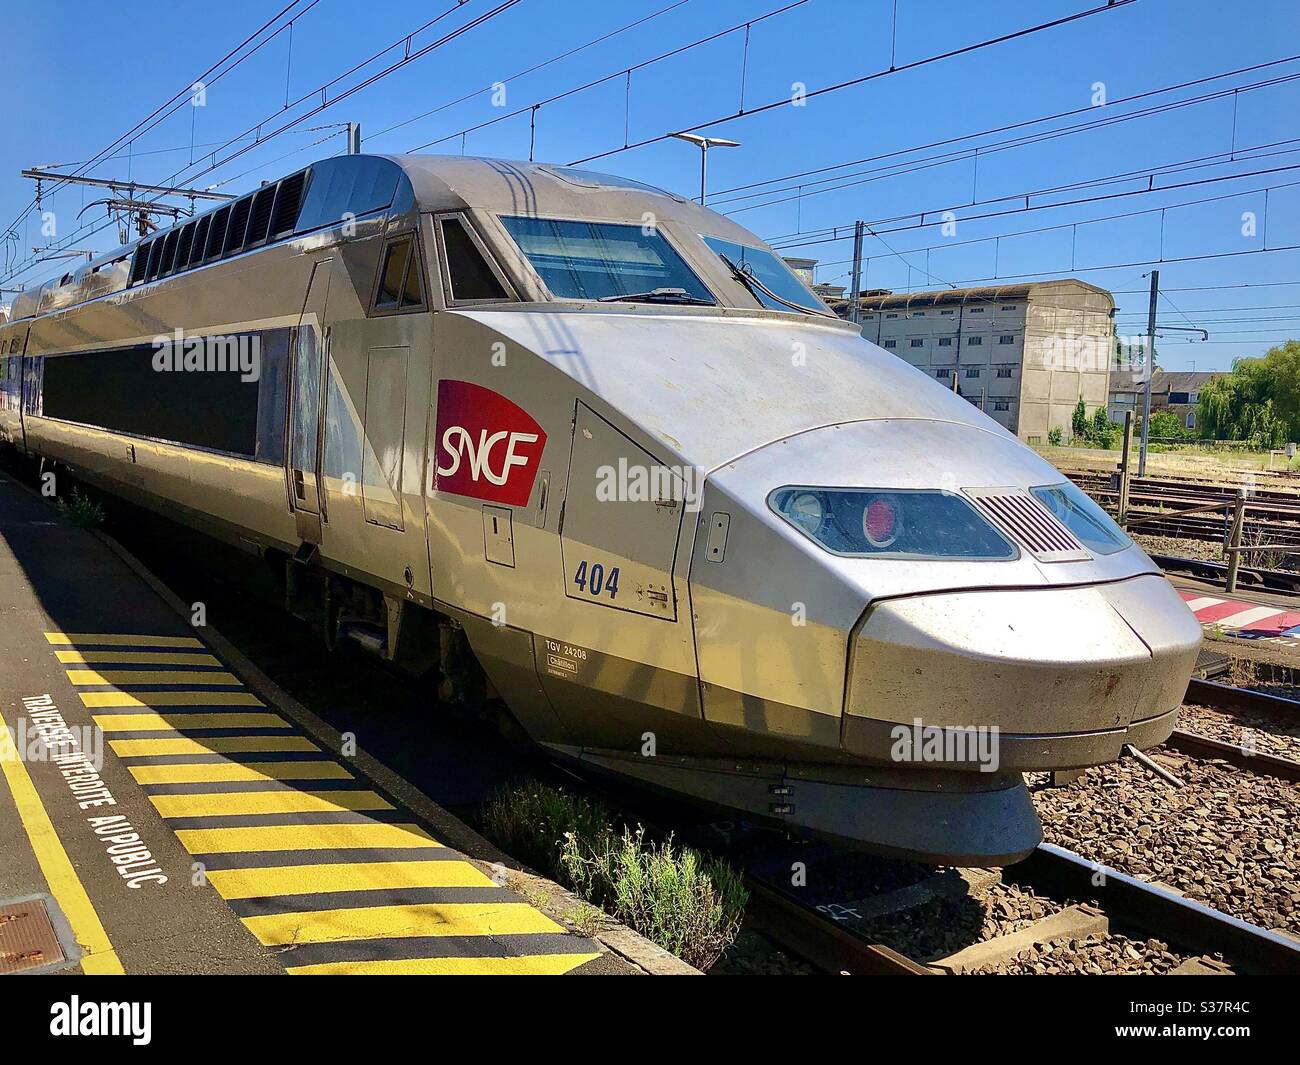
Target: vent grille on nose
{"points": [[1030, 523]]}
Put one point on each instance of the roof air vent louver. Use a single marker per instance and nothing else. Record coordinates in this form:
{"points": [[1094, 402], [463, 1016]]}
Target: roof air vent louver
{"points": [[200, 240], [288, 204], [259, 219], [139, 263], [238, 224], [1032, 524], [168, 253], [183, 244], [217, 232]]}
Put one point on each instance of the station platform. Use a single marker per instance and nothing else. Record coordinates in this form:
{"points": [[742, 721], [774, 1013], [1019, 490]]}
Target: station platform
{"points": [[157, 817]]}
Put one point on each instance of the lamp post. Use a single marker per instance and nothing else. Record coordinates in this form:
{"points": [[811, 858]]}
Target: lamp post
{"points": [[704, 144]]}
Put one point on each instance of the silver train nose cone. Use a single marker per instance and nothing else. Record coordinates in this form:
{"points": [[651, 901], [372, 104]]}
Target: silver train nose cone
{"points": [[1066, 675]]}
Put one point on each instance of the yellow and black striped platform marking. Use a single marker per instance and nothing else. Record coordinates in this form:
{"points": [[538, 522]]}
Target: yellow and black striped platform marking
{"points": [[321, 868]]}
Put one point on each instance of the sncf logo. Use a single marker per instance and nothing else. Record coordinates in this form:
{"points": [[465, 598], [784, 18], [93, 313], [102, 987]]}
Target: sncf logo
{"points": [[487, 446]]}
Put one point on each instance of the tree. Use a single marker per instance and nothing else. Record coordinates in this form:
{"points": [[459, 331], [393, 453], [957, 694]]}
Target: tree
{"points": [[1101, 433], [1168, 426], [1079, 421], [1258, 401]]}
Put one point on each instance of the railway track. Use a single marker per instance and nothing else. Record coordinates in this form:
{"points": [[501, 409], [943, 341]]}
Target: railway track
{"points": [[1272, 504], [832, 939], [1271, 517], [1280, 580], [1227, 697], [832, 936]]}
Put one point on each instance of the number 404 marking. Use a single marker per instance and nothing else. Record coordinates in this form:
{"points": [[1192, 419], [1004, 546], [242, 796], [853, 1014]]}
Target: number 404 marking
{"points": [[593, 579]]}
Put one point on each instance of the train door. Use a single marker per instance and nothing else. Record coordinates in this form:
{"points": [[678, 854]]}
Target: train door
{"points": [[310, 360], [11, 389], [619, 542], [32, 383]]}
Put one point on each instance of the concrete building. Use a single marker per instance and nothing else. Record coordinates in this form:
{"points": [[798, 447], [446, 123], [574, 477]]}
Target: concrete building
{"points": [[1024, 354]]}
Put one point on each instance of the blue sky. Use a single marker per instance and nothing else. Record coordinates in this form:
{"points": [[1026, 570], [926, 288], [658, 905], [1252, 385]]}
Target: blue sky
{"points": [[84, 74]]}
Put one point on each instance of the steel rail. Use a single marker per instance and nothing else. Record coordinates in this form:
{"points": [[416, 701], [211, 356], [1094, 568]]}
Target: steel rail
{"points": [[1212, 693], [817, 938], [1277, 579], [1181, 921], [1255, 761]]}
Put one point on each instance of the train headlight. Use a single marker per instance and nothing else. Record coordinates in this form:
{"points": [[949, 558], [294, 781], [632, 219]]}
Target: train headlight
{"points": [[807, 511], [891, 523]]}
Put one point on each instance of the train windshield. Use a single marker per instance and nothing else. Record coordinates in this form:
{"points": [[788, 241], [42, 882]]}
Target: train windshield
{"points": [[606, 261], [1078, 513], [777, 288]]}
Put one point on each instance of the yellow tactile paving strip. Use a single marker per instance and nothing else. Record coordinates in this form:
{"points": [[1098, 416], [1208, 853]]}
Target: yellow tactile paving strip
{"points": [[319, 867]]}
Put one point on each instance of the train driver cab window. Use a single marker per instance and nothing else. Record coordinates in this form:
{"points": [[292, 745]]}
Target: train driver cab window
{"points": [[773, 284], [468, 274], [606, 262], [401, 287]]}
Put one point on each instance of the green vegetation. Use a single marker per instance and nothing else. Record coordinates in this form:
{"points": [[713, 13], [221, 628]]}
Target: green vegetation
{"points": [[1097, 431], [1079, 421], [82, 510], [1259, 401], [689, 904], [1168, 426], [1054, 436]]}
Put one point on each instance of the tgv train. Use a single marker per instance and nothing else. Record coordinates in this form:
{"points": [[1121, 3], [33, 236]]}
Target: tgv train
{"points": [[585, 446]]}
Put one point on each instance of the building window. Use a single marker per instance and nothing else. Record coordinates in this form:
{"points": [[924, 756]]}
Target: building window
{"points": [[891, 343], [977, 310], [974, 341], [1004, 371], [918, 342], [943, 374], [891, 316], [1191, 420], [945, 312], [1177, 397], [1001, 404], [945, 342], [918, 314], [1006, 338], [1008, 306], [972, 371], [1195, 397]]}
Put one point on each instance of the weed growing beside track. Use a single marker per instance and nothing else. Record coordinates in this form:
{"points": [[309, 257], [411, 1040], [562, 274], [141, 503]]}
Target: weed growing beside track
{"points": [[687, 903]]}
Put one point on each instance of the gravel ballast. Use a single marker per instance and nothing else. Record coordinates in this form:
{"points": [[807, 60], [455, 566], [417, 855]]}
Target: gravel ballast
{"points": [[1263, 731], [1227, 838]]}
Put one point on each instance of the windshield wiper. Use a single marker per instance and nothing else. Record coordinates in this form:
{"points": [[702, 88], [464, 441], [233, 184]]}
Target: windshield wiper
{"points": [[656, 295], [746, 277]]}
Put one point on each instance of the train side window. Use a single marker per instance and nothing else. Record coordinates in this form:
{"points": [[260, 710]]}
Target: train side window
{"points": [[470, 277], [391, 274], [413, 288], [401, 284]]}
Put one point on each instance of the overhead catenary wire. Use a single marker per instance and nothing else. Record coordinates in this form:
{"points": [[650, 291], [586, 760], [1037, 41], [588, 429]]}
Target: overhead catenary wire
{"points": [[408, 57], [833, 234], [569, 53], [152, 120], [1112, 5], [1108, 118]]}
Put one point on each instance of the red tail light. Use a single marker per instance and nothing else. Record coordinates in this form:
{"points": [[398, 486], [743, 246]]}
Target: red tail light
{"points": [[879, 523]]}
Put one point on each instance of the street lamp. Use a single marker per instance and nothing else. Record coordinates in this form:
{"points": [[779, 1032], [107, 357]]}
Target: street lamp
{"points": [[704, 144]]}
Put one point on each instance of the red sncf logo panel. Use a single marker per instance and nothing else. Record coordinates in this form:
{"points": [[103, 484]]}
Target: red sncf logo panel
{"points": [[486, 446]]}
